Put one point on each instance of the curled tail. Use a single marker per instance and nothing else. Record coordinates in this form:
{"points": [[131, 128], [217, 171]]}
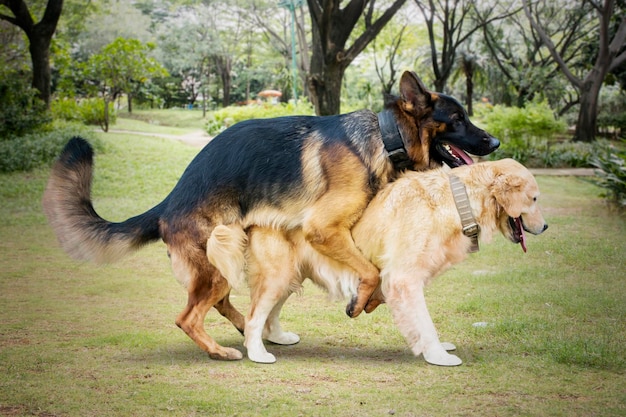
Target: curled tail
{"points": [[82, 233]]}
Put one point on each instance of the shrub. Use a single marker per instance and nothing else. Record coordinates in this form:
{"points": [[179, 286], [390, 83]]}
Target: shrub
{"points": [[21, 111], [219, 120], [32, 150], [526, 135], [87, 111], [534, 120], [611, 173], [612, 112]]}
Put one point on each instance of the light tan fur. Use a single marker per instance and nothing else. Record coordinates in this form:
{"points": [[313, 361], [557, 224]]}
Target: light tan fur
{"points": [[411, 231]]}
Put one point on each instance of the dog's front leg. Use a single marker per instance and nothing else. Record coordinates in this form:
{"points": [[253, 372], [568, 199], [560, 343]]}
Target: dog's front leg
{"points": [[408, 306], [337, 243]]}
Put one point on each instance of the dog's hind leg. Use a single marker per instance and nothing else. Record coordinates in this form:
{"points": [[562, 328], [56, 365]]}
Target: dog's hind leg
{"points": [[229, 311], [271, 268], [206, 288], [274, 332]]}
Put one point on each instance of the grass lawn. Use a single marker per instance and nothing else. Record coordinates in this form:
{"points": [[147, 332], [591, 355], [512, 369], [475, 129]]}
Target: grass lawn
{"points": [[171, 121], [84, 340]]}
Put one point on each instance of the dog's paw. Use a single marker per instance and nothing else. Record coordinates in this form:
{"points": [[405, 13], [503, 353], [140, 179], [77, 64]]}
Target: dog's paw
{"points": [[352, 310], [284, 338], [441, 357], [226, 354], [448, 346], [261, 356], [372, 304]]}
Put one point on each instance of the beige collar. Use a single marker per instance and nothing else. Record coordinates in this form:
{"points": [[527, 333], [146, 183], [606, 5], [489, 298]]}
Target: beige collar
{"points": [[471, 229]]}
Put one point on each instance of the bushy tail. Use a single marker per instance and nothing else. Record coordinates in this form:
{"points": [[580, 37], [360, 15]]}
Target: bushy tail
{"points": [[82, 233], [226, 250]]}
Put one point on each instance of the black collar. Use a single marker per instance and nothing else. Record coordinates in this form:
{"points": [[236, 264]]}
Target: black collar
{"points": [[392, 139]]}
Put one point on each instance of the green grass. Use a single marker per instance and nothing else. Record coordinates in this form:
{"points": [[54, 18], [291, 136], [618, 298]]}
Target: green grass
{"points": [[172, 122], [84, 340]]}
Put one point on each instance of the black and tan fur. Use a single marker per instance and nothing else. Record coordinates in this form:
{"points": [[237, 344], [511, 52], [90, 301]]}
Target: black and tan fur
{"points": [[313, 173], [411, 230]]}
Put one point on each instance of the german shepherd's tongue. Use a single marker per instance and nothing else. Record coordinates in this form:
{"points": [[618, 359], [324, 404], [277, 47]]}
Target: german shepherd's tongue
{"points": [[460, 154], [519, 228]]}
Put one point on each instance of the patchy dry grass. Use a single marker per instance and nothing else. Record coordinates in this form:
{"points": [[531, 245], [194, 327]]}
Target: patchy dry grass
{"points": [[83, 340]]}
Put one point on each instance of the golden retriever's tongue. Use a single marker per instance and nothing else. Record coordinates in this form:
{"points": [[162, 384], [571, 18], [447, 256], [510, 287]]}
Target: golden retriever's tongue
{"points": [[520, 230], [460, 153]]}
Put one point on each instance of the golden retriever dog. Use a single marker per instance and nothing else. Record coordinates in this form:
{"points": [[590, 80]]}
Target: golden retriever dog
{"points": [[411, 231]]}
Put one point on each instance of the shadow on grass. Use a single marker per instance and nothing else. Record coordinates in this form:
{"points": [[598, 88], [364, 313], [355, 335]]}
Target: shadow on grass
{"points": [[316, 350]]}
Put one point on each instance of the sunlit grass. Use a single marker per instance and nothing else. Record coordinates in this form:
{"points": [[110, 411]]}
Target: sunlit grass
{"points": [[84, 340]]}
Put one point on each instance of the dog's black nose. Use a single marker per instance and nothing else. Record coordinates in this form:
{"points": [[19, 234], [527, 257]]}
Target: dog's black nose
{"points": [[493, 143], [545, 226]]}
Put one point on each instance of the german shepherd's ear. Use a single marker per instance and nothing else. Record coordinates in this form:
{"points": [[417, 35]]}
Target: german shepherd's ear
{"points": [[415, 96], [507, 190]]}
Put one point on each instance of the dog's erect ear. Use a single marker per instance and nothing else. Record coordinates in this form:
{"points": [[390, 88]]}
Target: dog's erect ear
{"points": [[508, 191], [414, 93]]}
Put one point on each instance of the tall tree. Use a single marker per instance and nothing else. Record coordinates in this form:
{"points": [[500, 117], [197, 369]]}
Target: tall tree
{"points": [[527, 68], [332, 27], [122, 66], [611, 53], [39, 36], [457, 21]]}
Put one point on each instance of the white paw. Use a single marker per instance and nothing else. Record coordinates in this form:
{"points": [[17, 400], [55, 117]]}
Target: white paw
{"points": [[261, 356], [448, 346], [284, 338], [442, 358]]}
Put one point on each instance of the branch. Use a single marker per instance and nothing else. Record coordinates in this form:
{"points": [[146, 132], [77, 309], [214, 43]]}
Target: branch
{"points": [[550, 45], [618, 61], [370, 33], [22, 18]]}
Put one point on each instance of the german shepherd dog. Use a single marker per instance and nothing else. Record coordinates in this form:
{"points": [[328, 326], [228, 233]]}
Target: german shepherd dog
{"points": [[412, 230], [313, 173]]}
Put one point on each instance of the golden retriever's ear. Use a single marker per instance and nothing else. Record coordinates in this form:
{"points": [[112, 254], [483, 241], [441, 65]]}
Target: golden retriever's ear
{"points": [[507, 190]]}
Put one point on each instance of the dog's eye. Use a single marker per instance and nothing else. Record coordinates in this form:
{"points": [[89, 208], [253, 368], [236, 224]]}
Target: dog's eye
{"points": [[534, 198]]}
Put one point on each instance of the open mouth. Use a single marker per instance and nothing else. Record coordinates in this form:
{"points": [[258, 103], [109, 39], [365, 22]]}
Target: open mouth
{"points": [[518, 231], [453, 156]]}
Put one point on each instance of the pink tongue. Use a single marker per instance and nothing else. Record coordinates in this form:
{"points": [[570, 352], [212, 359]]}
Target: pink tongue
{"points": [[460, 153], [522, 236]]}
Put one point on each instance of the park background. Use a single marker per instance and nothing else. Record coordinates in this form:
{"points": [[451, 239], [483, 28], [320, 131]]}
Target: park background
{"points": [[142, 80]]}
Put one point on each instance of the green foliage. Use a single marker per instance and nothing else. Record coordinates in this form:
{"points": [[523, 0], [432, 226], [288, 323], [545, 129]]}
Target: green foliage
{"points": [[34, 149], [88, 111], [21, 112], [223, 118], [612, 113], [611, 174], [124, 64], [514, 124], [527, 135]]}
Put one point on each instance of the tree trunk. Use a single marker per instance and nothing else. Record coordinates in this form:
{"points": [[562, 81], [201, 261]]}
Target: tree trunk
{"points": [[331, 27], [39, 37], [469, 87], [40, 57], [105, 124], [587, 114], [325, 89]]}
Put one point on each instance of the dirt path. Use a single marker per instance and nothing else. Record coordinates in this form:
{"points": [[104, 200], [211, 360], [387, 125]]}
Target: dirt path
{"points": [[196, 139]]}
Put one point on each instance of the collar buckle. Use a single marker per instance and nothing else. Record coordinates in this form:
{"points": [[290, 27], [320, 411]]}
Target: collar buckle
{"points": [[471, 230]]}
